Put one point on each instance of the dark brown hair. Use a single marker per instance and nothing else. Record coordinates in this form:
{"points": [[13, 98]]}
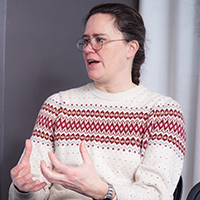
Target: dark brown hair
{"points": [[130, 23]]}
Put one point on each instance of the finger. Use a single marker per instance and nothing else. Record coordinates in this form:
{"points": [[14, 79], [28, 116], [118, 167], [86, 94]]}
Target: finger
{"points": [[15, 170], [28, 150], [32, 186], [56, 163], [38, 187], [23, 180], [44, 167], [46, 170], [84, 153], [49, 174]]}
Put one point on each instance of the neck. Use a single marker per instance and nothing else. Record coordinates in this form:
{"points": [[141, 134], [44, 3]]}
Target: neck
{"points": [[114, 88]]}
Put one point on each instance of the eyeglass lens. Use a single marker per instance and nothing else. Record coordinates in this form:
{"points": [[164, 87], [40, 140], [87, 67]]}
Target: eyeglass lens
{"points": [[96, 43]]}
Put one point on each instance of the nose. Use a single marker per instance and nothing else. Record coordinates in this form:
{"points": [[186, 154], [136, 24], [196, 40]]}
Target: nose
{"points": [[89, 48]]}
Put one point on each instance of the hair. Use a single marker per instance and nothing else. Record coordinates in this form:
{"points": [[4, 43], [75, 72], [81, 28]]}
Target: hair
{"points": [[130, 23]]}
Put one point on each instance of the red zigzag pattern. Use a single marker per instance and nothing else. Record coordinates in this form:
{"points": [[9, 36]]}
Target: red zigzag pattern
{"points": [[112, 127]]}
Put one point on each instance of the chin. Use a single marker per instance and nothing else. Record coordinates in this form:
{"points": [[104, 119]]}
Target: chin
{"points": [[93, 76]]}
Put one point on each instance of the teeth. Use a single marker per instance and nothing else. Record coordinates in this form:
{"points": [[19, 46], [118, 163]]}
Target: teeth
{"points": [[91, 61]]}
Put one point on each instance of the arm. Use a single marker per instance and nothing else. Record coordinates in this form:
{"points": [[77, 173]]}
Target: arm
{"points": [[82, 179], [162, 154], [27, 176], [21, 174], [156, 176]]}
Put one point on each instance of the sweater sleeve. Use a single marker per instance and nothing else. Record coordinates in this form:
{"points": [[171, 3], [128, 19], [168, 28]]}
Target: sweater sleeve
{"points": [[42, 142], [162, 154]]}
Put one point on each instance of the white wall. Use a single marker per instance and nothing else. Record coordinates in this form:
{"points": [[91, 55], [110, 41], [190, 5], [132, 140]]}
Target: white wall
{"points": [[172, 67]]}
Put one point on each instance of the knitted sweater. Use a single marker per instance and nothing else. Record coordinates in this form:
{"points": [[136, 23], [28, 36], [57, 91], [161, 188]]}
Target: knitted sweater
{"points": [[136, 140]]}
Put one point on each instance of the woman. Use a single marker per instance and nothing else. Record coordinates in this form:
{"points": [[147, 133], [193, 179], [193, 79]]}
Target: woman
{"points": [[111, 139]]}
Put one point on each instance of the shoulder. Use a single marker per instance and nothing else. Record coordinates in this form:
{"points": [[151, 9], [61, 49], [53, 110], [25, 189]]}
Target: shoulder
{"points": [[79, 91], [165, 112], [61, 96], [160, 106], [157, 100]]}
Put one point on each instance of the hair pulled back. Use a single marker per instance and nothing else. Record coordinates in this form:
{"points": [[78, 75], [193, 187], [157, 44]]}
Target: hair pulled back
{"points": [[130, 23]]}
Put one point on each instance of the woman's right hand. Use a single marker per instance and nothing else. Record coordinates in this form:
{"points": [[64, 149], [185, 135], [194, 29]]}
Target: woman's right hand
{"points": [[21, 173]]}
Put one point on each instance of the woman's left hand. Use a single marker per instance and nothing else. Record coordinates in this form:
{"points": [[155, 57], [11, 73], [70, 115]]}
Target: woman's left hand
{"points": [[82, 179]]}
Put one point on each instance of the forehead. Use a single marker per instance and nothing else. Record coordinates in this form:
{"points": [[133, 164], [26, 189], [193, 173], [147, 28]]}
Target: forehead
{"points": [[101, 24]]}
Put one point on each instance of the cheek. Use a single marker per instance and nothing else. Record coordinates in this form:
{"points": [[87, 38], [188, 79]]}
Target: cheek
{"points": [[116, 52], [114, 58], [108, 56]]}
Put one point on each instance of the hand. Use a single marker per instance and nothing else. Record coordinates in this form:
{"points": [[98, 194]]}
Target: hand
{"points": [[21, 173], [82, 179]]}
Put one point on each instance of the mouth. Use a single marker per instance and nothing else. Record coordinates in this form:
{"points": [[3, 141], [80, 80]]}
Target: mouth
{"points": [[92, 62]]}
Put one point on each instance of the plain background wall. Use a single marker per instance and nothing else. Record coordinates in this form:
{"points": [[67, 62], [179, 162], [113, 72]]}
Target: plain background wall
{"points": [[38, 57], [2, 66]]}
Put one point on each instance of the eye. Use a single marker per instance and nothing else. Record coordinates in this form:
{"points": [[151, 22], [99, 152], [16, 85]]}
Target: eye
{"points": [[99, 40], [86, 41]]}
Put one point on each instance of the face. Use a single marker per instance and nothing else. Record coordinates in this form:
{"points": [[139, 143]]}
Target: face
{"points": [[112, 64]]}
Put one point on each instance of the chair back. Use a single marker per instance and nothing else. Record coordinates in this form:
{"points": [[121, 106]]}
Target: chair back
{"points": [[194, 193]]}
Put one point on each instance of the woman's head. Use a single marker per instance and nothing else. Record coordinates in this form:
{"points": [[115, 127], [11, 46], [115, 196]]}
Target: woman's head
{"points": [[130, 23]]}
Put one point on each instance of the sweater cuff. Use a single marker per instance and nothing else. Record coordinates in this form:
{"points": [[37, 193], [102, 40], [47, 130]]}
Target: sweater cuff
{"points": [[16, 195]]}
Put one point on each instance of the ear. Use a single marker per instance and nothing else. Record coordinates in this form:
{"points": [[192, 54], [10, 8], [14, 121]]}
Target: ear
{"points": [[133, 47]]}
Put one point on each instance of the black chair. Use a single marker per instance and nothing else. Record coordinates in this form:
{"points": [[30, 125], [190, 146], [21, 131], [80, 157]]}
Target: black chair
{"points": [[179, 188], [194, 193]]}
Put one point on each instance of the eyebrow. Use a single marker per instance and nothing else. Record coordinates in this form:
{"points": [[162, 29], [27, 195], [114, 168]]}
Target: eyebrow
{"points": [[94, 35]]}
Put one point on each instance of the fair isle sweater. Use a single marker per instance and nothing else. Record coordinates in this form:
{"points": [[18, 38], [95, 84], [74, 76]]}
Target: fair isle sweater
{"points": [[136, 140]]}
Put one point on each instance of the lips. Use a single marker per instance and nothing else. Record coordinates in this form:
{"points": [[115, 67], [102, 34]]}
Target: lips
{"points": [[92, 61]]}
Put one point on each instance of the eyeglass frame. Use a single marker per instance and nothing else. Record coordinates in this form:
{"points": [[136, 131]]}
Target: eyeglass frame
{"points": [[92, 45]]}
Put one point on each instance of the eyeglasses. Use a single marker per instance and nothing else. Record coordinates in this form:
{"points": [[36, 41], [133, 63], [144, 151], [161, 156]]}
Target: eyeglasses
{"points": [[96, 43]]}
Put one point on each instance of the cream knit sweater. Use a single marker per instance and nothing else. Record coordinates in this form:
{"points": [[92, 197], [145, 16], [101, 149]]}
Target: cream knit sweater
{"points": [[135, 138]]}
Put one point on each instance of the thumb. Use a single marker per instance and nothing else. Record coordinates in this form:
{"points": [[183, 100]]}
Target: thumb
{"points": [[28, 150], [84, 153]]}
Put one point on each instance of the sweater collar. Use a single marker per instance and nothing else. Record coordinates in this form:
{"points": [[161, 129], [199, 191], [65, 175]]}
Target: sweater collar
{"points": [[131, 93]]}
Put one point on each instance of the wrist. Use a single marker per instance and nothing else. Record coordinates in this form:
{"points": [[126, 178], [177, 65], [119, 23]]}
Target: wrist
{"points": [[114, 194], [101, 189], [109, 195], [19, 190]]}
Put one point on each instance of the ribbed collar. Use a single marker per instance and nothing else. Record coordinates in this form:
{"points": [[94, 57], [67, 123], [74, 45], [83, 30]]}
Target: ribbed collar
{"points": [[131, 93]]}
